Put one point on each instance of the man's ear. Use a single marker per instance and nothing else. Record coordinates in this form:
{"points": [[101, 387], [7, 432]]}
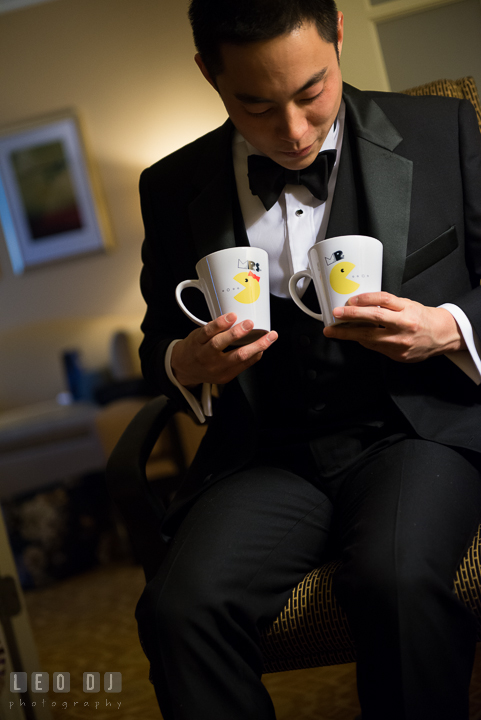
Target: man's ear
{"points": [[204, 71], [340, 32]]}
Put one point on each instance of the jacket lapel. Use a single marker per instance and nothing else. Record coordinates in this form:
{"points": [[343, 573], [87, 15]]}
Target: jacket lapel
{"points": [[211, 212], [386, 180], [344, 218]]}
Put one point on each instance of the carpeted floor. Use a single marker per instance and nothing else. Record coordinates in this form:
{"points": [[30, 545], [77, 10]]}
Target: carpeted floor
{"points": [[86, 624]]}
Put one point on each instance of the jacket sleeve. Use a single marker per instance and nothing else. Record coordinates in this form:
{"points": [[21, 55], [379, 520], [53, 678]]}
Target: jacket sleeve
{"points": [[470, 156], [167, 259]]}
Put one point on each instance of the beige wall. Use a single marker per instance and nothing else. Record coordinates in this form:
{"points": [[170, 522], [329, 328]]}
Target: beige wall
{"points": [[362, 62], [126, 65]]}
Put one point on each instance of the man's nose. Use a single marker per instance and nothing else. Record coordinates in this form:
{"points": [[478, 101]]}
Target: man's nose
{"points": [[293, 125]]}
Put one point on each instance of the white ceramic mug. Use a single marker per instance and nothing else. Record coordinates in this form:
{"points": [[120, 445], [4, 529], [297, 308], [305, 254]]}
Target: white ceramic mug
{"points": [[340, 267], [233, 280]]}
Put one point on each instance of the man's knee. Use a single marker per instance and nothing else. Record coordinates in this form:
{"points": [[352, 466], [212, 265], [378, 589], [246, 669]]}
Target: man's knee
{"points": [[166, 611], [386, 581]]}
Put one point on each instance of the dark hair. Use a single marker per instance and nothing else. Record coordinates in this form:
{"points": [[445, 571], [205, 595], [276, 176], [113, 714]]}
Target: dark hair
{"points": [[215, 22]]}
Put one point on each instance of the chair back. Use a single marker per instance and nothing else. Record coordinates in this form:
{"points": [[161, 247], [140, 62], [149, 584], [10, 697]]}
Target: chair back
{"points": [[463, 89]]}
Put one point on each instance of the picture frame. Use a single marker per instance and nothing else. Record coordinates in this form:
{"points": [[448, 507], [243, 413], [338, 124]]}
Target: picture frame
{"points": [[9, 5], [51, 208]]}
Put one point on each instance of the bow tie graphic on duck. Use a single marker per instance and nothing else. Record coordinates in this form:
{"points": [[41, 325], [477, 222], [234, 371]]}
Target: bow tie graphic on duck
{"points": [[338, 277], [234, 279], [249, 282]]}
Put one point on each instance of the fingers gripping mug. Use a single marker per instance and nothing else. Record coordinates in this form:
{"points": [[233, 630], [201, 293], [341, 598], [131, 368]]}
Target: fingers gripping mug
{"points": [[233, 280], [340, 267]]}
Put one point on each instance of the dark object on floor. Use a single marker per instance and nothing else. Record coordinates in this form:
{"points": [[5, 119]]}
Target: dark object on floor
{"points": [[62, 530]]}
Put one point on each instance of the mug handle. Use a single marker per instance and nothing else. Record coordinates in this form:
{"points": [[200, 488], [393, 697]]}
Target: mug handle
{"points": [[293, 291], [178, 292]]}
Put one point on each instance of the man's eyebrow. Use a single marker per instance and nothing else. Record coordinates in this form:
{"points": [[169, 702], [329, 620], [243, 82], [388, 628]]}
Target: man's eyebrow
{"points": [[314, 79], [252, 99]]}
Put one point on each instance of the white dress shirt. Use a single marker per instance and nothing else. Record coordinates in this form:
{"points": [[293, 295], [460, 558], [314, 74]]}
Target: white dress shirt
{"points": [[296, 222]]}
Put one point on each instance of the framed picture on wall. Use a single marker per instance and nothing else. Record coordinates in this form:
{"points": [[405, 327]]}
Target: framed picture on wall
{"points": [[50, 205]]}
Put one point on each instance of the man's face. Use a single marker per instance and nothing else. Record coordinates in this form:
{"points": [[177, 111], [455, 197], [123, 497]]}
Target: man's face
{"points": [[282, 95]]}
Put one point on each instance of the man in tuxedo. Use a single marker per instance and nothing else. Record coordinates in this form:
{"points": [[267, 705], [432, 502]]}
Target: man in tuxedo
{"points": [[359, 440]]}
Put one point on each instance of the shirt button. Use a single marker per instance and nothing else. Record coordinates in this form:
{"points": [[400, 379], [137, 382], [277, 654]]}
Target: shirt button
{"points": [[304, 340], [299, 213], [311, 374]]}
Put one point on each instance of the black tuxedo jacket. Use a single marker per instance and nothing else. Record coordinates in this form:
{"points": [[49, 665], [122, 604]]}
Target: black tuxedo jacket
{"points": [[414, 183]]}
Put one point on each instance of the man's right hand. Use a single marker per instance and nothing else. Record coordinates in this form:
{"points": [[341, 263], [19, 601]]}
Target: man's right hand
{"points": [[199, 358]]}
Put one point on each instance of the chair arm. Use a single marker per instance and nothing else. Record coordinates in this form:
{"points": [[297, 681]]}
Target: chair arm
{"points": [[141, 510]]}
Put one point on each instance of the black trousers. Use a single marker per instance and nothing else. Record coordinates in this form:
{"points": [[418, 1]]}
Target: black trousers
{"points": [[401, 519]]}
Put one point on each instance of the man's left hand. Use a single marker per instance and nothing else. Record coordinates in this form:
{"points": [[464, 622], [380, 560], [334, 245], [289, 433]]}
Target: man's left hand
{"points": [[402, 329]]}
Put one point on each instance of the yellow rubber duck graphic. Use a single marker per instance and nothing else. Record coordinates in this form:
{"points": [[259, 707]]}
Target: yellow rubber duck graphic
{"points": [[252, 288], [339, 280]]}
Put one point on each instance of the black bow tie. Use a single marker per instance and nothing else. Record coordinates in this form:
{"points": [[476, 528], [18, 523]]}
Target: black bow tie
{"points": [[267, 178]]}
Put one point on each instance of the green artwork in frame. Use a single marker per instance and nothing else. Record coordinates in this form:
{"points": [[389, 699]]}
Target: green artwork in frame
{"points": [[50, 206], [47, 190]]}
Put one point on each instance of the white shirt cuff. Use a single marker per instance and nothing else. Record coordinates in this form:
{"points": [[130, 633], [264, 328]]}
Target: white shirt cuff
{"points": [[201, 409], [467, 360]]}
